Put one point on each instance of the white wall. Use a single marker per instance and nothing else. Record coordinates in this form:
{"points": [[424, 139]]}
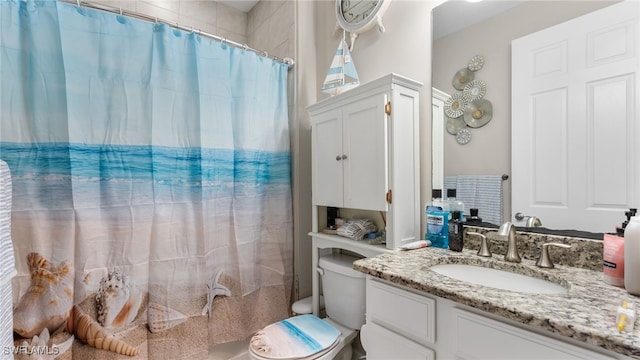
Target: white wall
{"points": [[489, 152], [305, 92]]}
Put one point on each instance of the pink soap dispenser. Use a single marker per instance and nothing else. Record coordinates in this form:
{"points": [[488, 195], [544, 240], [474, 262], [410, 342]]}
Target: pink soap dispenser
{"points": [[613, 254]]}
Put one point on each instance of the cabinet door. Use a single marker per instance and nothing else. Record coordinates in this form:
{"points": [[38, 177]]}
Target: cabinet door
{"points": [[382, 344], [406, 313], [482, 338], [364, 142], [327, 159]]}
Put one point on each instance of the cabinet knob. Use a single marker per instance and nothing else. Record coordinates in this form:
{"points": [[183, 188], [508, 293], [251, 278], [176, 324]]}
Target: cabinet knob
{"points": [[344, 157], [338, 158]]}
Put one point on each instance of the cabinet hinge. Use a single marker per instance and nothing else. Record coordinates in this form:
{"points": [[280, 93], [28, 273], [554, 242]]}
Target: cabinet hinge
{"points": [[389, 196], [387, 108]]}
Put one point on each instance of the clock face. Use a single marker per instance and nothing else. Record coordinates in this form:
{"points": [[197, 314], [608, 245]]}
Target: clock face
{"points": [[354, 11]]}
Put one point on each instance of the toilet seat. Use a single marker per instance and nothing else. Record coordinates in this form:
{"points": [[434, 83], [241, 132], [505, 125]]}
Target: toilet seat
{"points": [[316, 356], [277, 340]]}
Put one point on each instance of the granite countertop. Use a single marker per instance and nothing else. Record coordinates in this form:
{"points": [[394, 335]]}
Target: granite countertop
{"points": [[587, 312]]}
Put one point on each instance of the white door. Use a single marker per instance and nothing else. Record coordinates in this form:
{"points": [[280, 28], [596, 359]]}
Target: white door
{"points": [[575, 103], [364, 139], [438, 100], [327, 159]]}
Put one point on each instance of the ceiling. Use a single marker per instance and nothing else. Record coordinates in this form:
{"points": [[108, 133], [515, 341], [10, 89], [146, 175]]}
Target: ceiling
{"points": [[242, 5], [455, 15]]}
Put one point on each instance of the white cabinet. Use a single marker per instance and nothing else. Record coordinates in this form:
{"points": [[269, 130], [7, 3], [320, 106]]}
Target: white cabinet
{"points": [[478, 337], [366, 160], [400, 324], [413, 315], [444, 329], [350, 155], [389, 345], [366, 154]]}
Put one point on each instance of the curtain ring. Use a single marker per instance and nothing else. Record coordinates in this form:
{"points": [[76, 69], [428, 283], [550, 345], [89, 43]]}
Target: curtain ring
{"points": [[78, 2], [156, 20], [245, 47], [120, 11]]}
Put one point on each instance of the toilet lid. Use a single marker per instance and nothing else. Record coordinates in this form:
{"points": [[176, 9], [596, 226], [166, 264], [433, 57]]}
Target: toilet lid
{"points": [[293, 338]]}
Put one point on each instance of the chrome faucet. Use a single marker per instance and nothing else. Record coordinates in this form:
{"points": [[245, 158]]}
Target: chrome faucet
{"points": [[545, 261], [509, 230], [533, 221], [484, 246]]}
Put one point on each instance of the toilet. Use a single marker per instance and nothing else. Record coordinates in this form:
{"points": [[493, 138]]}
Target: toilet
{"points": [[309, 337]]}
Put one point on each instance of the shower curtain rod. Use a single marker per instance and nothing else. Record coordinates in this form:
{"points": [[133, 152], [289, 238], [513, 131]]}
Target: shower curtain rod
{"points": [[287, 60]]}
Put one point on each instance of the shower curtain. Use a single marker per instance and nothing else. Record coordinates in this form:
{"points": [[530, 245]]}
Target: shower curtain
{"points": [[151, 185]]}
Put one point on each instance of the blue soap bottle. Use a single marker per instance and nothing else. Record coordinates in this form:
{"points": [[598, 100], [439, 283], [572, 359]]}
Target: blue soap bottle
{"points": [[437, 212], [438, 228]]}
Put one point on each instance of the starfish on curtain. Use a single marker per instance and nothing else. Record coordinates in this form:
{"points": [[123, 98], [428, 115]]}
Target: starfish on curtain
{"points": [[214, 288]]}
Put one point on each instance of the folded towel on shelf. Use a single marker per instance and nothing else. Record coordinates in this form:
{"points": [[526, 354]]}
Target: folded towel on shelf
{"points": [[357, 228], [484, 192]]}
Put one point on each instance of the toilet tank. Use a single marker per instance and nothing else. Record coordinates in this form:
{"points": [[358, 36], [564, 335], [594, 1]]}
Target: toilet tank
{"points": [[344, 290]]}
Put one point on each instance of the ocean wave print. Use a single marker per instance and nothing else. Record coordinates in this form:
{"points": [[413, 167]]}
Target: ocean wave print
{"points": [[118, 175]]}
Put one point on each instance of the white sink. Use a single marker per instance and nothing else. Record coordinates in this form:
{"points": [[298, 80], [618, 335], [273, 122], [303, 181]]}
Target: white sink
{"points": [[499, 279]]}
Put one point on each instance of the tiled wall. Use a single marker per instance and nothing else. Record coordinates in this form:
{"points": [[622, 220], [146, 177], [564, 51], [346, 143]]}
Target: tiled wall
{"points": [[271, 27], [207, 16]]}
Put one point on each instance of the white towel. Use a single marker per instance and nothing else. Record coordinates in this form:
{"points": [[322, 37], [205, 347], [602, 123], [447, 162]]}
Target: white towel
{"points": [[484, 192]]}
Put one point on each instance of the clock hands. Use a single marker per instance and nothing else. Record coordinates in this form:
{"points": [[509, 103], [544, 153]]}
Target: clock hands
{"points": [[354, 10]]}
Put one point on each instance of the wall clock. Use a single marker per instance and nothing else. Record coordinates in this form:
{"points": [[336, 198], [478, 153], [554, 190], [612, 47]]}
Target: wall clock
{"points": [[358, 16]]}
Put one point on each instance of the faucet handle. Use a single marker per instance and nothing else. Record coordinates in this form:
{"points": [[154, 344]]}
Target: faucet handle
{"points": [[484, 246], [545, 261], [533, 221]]}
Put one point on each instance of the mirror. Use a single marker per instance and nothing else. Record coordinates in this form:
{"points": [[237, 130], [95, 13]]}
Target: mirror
{"points": [[463, 29]]}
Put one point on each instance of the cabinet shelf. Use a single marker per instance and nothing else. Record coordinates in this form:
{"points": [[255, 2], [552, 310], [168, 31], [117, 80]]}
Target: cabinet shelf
{"points": [[324, 241]]}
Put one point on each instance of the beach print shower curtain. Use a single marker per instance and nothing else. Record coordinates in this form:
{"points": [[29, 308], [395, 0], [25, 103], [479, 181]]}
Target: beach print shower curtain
{"points": [[151, 185]]}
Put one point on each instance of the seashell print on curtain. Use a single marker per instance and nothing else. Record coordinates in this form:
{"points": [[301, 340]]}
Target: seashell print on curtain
{"points": [[151, 185]]}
